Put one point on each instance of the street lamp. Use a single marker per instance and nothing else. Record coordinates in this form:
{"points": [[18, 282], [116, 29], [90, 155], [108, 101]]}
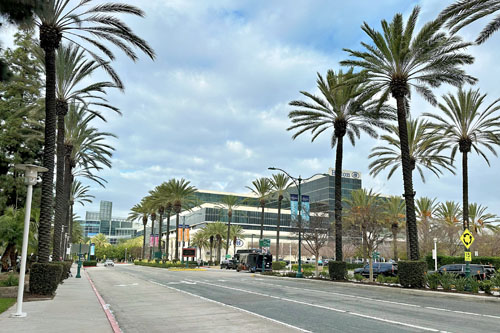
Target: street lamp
{"points": [[299, 180], [435, 255], [30, 178]]}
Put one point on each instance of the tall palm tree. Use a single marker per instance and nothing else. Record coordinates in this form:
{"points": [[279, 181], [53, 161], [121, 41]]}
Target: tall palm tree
{"points": [[162, 200], [395, 214], [262, 189], [400, 59], [464, 12], [216, 231], [236, 232], [201, 241], [449, 214], [347, 108], [72, 68], [182, 196], [481, 219], [152, 209], [229, 202], [425, 151], [79, 24], [280, 183], [426, 210], [79, 194], [140, 213], [465, 127]]}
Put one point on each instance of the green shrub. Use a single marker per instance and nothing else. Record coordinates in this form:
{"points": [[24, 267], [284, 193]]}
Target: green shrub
{"points": [[446, 280], [432, 280], [391, 279], [278, 265], [308, 273], [89, 263], [12, 280], [381, 278], [350, 277], [446, 260], [324, 275], [358, 277], [290, 274], [44, 278], [354, 266], [270, 273], [337, 270], [495, 280], [305, 267], [485, 286], [473, 284], [412, 273], [460, 283]]}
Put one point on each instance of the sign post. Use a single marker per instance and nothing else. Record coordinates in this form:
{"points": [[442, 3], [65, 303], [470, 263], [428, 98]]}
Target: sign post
{"points": [[467, 239]]}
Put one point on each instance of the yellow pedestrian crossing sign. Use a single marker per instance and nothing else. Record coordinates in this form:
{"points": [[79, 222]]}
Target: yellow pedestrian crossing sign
{"points": [[467, 238], [468, 256]]}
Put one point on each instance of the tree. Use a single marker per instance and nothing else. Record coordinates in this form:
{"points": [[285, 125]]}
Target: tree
{"points": [[394, 208], [201, 241], [79, 194], [182, 196], [229, 202], [480, 219], [464, 12], [280, 183], [426, 211], [162, 200], [366, 211], [346, 105], [316, 232], [425, 151], [11, 235], [216, 231], [262, 189], [56, 20], [140, 213], [448, 215], [236, 232], [400, 59], [465, 128]]}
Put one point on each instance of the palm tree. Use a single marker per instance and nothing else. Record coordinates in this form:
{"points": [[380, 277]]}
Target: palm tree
{"points": [[200, 240], [466, 127], [236, 232], [348, 109], [78, 193], [426, 210], [262, 189], [465, 12], [449, 214], [400, 59], [216, 231], [182, 197], [72, 68], [150, 206], [140, 212], [57, 20], [162, 200], [229, 202], [394, 212], [280, 183], [481, 219], [425, 151]]}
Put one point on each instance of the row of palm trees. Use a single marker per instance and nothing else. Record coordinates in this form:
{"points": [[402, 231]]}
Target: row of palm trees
{"points": [[398, 60], [214, 235], [86, 26]]}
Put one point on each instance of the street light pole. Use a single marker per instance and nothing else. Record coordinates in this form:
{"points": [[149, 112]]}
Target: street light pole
{"points": [[435, 255], [30, 178]]}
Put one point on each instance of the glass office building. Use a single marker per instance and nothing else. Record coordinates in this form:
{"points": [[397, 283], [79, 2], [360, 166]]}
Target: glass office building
{"points": [[103, 222]]}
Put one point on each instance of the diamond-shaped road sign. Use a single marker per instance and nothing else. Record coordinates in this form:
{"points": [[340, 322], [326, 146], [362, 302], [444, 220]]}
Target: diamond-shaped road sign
{"points": [[467, 238]]}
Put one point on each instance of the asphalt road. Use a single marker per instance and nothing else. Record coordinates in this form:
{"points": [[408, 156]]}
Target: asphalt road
{"points": [[269, 304]]}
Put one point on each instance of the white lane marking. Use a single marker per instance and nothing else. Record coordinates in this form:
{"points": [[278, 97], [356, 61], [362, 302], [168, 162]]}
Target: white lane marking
{"points": [[232, 307], [462, 312], [126, 285], [329, 308], [188, 281]]}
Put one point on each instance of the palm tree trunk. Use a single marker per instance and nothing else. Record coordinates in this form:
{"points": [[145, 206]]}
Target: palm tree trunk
{"points": [[168, 234], [61, 110], [211, 248], [338, 199], [152, 248], [48, 156], [278, 223], [144, 243], [261, 225], [394, 240], [234, 245], [68, 181], [177, 237], [409, 194], [363, 239], [465, 191], [219, 246], [228, 233], [159, 233]]}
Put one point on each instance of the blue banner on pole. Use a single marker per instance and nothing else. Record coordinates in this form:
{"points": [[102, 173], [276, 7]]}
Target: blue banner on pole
{"points": [[92, 249], [294, 206], [305, 208]]}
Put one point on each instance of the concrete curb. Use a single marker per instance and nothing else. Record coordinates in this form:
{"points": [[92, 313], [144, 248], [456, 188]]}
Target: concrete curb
{"points": [[400, 290]]}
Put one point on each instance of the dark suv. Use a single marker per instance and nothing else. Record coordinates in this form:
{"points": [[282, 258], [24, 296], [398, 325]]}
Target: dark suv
{"points": [[382, 268], [477, 271]]}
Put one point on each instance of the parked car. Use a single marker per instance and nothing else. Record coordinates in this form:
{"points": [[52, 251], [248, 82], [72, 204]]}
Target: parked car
{"points": [[109, 263], [379, 268], [224, 263], [477, 271], [489, 270], [229, 264]]}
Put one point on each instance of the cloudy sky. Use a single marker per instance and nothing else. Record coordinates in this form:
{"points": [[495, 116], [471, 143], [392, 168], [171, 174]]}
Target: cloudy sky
{"points": [[213, 106]]}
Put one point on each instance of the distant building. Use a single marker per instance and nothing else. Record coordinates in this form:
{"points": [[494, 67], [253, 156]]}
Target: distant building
{"points": [[103, 222]]}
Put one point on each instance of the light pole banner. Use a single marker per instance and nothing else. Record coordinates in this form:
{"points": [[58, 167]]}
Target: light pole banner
{"points": [[92, 249], [294, 206], [305, 208]]}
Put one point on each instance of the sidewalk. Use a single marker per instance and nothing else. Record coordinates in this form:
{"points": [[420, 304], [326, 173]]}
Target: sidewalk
{"points": [[75, 308]]}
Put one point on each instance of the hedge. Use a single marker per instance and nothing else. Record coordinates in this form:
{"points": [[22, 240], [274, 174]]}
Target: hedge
{"points": [[412, 273], [278, 265], [305, 267], [354, 266], [44, 278], [90, 263], [337, 270], [446, 260]]}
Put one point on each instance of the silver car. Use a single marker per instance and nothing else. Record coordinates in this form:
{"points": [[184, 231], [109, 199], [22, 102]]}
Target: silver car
{"points": [[109, 263]]}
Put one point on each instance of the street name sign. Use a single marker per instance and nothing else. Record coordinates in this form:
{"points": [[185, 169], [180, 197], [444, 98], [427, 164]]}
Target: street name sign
{"points": [[468, 256], [228, 256], [467, 238], [265, 242]]}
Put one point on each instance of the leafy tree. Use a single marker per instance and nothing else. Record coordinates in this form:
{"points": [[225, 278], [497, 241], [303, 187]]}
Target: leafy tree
{"points": [[465, 127], [262, 188], [229, 203], [280, 183], [11, 235], [78, 24], [426, 211], [400, 59], [346, 105], [425, 151], [464, 12]]}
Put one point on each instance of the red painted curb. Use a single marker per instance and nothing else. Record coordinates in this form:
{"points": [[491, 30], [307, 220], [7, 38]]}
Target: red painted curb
{"points": [[111, 318]]}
